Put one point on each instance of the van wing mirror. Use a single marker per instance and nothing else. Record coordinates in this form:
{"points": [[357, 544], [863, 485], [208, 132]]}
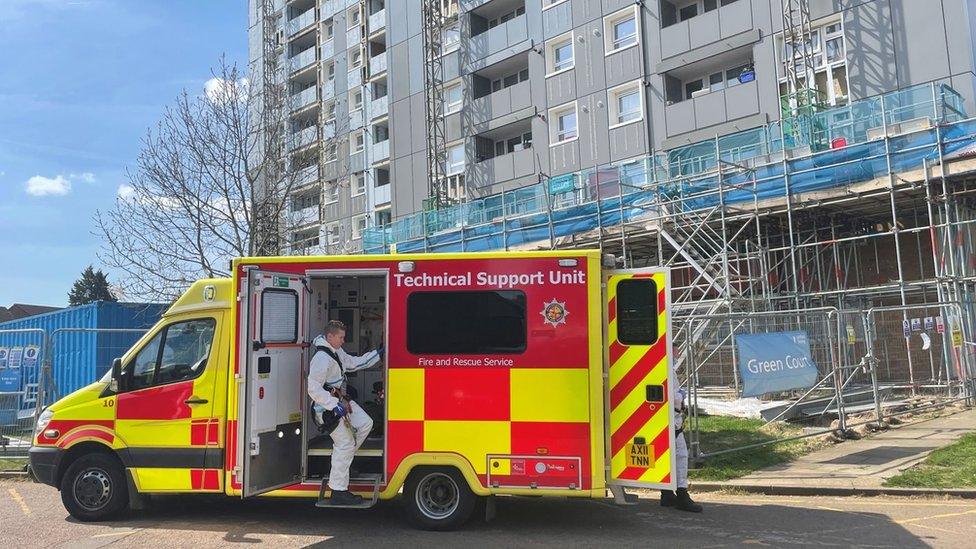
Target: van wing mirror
{"points": [[116, 375]]}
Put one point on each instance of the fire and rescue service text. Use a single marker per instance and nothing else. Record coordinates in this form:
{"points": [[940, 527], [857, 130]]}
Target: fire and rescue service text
{"points": [[489, 280]]}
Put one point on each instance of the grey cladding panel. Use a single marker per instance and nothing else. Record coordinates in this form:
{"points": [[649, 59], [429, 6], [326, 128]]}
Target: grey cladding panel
{"points": [[420, 187], [564, 158], [418, 129], [557, 20], [416, 70], [961, 35], [919, 41], [871, 61], [590, 60], [593, 143], [742, 100], [675, 40], [704, 29], [396, 13], [401, 133], [628, 141], [735, 18], [709, 109], [624, 66], [399, 66], [680, 117], [585, 11], [561, 88], [401, 177], [524, 162]]}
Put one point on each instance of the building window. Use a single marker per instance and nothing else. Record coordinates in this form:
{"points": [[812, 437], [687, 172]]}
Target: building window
{"points": [[562, 124], [828, 57], [332, 233], [357, 101], [510, 80], [621, 30], [467, 322], [626, 104], [383, 217], [454, 163], [358, 183], [452, 187], [330, 111], [358, 226], [517, 143], [506, 17], [354, 16], [331, 152], [559, 54], [358, 141], [330, 71], [453, 97], [355, 58], [719, 80], [331, 192], [451, 39], [546, 4], [302, 240], [449, 8], [328, 29], [305, 199]]}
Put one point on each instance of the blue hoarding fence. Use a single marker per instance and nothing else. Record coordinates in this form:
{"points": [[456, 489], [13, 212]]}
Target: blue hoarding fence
{"points": [[23, 361], [772, 362]]}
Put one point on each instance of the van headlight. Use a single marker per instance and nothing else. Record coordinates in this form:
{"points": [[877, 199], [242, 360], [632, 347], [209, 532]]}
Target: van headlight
{"points": [[43, 420]]}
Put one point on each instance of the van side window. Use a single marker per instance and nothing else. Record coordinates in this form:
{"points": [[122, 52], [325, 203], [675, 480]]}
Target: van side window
{"points": [[637, 311], [178, 353], [466, 322]]}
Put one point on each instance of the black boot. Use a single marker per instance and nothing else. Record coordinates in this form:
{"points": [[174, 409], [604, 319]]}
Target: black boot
{"points": [[345, 497], [683, 502], [667, 498]]}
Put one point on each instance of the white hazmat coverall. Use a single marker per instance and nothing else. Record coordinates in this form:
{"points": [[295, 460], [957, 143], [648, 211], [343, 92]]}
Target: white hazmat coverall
{"points": [[680, 446], [324, 371]]}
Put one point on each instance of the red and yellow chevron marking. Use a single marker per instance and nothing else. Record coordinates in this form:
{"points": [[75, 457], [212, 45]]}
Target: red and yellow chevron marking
{"points": [[632, 368]]}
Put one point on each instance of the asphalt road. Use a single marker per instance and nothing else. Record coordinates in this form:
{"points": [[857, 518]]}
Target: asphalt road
{"points": [[31, 515]]}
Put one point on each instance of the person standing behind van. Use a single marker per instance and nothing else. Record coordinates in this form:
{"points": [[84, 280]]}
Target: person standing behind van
{"points": [[326, 387]]}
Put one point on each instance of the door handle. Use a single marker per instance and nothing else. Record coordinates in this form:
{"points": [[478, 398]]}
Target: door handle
{"points": [[194, 400]]}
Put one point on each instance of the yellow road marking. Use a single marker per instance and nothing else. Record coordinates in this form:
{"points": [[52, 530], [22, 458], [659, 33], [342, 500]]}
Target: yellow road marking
{"points": [[933, 528], [108, 534], [866, 501], [944, 515], [20, 501]]}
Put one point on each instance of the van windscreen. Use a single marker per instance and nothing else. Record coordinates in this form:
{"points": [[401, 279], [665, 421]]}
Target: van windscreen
{"points": [[466, 322]]}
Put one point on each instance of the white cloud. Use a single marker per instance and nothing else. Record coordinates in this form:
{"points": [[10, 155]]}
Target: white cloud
{"points": [[87, 177], [219, 90], [47, 186], [126, 191]]}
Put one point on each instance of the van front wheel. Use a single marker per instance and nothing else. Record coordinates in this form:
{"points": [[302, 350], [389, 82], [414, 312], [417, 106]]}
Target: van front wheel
{"points": [[438, 498], [94, 488]]}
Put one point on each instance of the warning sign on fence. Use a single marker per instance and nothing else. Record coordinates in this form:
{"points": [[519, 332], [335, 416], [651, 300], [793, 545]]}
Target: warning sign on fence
{"points": [[939, 325], [851, 335], [15, 358], [31, 352], [3, 358], [956, 337]]}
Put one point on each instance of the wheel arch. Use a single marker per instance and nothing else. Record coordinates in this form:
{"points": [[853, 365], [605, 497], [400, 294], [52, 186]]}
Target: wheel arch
{"points": [[84, 448], [436, 460]]}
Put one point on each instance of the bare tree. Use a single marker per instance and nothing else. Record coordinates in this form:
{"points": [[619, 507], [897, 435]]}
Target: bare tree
{"points": [[205, 188]]}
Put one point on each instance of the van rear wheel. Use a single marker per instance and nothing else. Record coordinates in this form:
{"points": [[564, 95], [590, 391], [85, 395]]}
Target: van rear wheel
{"points": [[94, 488], [438, 498]]}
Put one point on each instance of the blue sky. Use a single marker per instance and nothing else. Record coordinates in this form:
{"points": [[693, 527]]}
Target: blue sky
{"points": [[80, 82]]}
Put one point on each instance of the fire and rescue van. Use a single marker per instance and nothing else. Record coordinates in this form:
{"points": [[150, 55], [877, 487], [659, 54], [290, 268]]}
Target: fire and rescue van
{"points": [[516, 373]]}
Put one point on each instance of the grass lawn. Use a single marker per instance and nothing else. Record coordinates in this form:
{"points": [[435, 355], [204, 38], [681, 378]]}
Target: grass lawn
{"points": [[953, 466], [7, 464], [718, 433]]}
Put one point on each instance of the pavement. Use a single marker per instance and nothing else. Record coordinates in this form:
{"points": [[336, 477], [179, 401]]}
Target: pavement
{"points": [[31, 515], [859, 466]]}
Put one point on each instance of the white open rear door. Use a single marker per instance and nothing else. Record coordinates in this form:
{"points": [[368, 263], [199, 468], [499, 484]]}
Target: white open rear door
{"points": [[640, 416], [275, 349]]}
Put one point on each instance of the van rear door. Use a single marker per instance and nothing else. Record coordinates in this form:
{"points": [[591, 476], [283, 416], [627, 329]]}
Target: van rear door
{"points": [[637, 362], [273, 340]]}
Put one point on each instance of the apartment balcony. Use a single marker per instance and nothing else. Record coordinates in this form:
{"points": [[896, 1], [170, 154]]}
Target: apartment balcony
{"points": [[498, 38], [307, 176], [503, 102], [500, 169], [723, 23], [303, 99], [712, 108], [331, 7], [355, 78], [302, 60], [304, 137], [328, 49], [381, 194], [354, 36], [302, 22], [379, 152], [377, 64], [304, 216], [328, 90], [377, 21], [379, 107]]}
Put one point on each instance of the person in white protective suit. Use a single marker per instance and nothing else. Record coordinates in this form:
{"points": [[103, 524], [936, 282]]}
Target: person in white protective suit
{"points": [[681, 501], [326, 383]]}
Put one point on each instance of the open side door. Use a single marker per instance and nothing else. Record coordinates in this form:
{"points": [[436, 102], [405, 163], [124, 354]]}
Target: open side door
{"points": [[274, 345], [637, 361]]}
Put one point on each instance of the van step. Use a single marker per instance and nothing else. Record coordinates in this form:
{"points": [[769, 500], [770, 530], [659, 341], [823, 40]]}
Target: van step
{"points": [[368, 480]]}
